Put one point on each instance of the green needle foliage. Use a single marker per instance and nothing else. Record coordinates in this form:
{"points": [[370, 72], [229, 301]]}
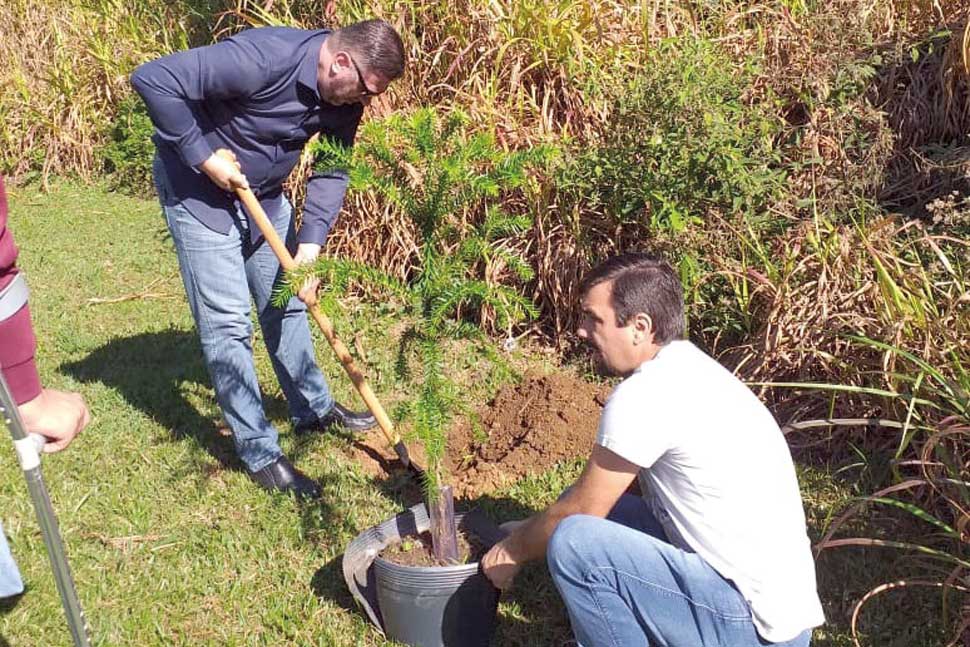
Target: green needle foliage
{"points": [[453, 185]]}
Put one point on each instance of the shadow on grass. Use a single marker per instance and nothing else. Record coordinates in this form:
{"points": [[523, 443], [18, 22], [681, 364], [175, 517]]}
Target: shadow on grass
{"points": [[149, 371], [328, 583], [153, 372]]}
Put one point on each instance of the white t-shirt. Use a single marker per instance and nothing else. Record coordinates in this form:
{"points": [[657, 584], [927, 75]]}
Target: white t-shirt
{"points": [[715, 460]]}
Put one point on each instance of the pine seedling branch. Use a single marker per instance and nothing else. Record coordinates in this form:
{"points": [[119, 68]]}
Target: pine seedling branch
{"points": [[451, 184]]}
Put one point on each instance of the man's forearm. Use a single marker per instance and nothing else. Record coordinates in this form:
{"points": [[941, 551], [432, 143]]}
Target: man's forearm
{"points": [[326, 188], [325, 198], [528, 542], [597, 490], [17, 343]]}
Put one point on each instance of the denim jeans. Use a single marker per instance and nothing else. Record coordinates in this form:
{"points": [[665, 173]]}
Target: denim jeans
{"points": [[625, 585], [10, 582], [222, 274]]}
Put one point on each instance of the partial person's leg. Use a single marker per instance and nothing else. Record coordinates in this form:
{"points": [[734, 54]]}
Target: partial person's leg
{"points": [[286, 331], [624, 587], [802, 640], [629, 510], [214, 276], [10, 582], [634, 512]]}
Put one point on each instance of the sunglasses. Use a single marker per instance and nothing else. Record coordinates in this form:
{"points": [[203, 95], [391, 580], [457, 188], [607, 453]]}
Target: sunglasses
{"points": [[365, 92]]}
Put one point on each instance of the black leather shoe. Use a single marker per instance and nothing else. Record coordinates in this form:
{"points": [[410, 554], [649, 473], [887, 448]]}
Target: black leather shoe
{"points": [[283, 477], [339, 416]]}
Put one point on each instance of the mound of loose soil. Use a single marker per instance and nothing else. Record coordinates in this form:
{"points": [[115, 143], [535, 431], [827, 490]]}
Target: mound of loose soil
{"points": [[526, 429]]}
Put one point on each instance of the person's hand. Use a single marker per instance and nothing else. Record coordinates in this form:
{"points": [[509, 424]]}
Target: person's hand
{"points": [[499, 566], [59, 416], [223, 170], [307, 253]]}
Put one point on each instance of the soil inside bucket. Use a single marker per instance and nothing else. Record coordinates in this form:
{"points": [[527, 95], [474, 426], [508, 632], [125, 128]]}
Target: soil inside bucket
{"points": [[417, 551], [526, 429]]}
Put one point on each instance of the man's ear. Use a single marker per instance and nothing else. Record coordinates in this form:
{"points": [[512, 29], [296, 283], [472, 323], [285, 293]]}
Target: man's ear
{"points": [[642, 327], [340, 60]]}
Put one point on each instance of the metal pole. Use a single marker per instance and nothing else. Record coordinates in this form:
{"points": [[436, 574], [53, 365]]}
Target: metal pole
{"points": [[28, 448]]}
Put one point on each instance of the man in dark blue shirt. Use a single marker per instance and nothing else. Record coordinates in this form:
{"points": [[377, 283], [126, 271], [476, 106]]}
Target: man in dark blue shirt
{"points": [[261, 94]]}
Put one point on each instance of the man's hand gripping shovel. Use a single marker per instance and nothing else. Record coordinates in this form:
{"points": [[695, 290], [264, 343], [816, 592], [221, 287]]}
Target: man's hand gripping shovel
{"points": [[258, 216]]}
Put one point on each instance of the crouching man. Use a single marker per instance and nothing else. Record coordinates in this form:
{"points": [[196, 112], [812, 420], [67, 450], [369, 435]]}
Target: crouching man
{"points": [[715, 553]]}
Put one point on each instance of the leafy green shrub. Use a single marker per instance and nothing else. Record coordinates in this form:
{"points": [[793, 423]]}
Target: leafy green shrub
{"points": [[681, 141], [452, 186], [129, 152]]}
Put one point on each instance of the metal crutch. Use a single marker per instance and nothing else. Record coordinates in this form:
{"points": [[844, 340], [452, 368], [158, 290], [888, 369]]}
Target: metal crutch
{"points": [[28, 448]]}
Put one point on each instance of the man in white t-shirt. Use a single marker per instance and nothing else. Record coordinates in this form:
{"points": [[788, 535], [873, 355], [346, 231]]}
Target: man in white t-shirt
{"points": [[715, 553]]}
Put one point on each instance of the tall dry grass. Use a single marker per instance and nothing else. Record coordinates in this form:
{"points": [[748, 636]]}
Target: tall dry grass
{"points": [[65, 70], [871, 100]]}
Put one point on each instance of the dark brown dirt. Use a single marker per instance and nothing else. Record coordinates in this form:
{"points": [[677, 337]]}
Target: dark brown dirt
{"points": [[416, 551], [526, 429]]}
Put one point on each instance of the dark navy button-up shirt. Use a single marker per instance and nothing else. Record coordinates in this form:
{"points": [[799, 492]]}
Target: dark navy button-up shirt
{"points": [[255, 94]]}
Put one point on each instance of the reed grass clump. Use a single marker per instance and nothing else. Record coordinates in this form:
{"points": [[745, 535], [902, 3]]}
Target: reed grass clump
{"points": [[65, 75]]}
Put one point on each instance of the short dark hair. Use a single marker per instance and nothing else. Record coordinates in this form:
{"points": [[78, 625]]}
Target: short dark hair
{"points": [[375, 46], [642, 283]]}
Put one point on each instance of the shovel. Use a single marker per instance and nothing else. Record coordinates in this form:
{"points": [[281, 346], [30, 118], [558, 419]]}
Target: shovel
{"points": [[258, 216]]}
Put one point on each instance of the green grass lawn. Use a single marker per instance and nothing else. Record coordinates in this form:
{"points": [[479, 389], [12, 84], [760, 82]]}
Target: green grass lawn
{"points": [[169, 541]]}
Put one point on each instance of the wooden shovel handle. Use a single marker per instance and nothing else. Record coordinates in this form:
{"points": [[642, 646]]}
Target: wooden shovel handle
{"points": [[360, 382]]}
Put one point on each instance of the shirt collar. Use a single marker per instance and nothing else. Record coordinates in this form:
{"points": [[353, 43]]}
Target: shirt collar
{"points": [[308, 68]]}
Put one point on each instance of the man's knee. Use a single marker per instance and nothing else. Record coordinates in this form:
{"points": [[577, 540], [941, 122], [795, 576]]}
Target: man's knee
{"points": [[224, 338], [230, 328], [569, 542]]}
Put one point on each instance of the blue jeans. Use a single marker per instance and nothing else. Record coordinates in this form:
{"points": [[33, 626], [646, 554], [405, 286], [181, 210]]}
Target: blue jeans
{"points": [[10, 582], [625, 585], [222, 273]]}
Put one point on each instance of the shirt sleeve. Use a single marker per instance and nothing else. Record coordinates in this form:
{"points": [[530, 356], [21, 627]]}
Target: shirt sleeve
{"points": [[325, 189], [634, 425], [17, 342], [173, 85]]}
